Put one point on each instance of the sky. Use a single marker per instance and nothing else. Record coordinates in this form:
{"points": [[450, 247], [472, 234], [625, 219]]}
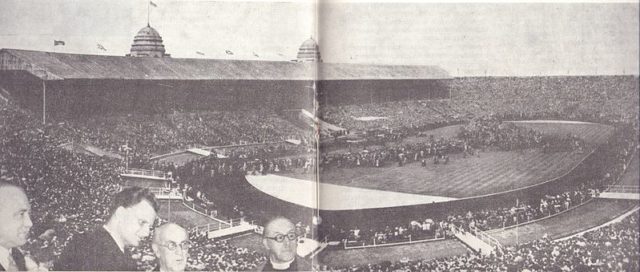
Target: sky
{"points": [[466, 39]]}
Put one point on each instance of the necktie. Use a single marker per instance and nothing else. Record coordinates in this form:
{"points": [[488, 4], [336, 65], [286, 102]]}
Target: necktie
{"points": [[17, 260]]}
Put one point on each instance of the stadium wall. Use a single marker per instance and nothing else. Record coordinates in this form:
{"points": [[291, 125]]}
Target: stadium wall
{"points": [[79, 97], [344, 92], [24, 88]]}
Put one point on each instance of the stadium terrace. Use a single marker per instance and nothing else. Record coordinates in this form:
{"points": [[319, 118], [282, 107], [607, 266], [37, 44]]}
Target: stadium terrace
{"points": [[223, 144], [93, 84]]}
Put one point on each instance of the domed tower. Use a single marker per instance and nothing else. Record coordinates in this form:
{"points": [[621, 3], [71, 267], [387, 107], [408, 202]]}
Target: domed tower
{"points": [[147, 43], [309, 51]]}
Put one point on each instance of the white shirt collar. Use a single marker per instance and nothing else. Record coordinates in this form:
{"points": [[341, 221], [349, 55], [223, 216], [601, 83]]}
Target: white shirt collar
{"points": [[4, 257], [281, 266]]}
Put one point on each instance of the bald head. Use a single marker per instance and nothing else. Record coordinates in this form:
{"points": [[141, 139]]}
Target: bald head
{"points": [[276, 225], [168, 230], [5, 185], [171, 246], [15, 216]]}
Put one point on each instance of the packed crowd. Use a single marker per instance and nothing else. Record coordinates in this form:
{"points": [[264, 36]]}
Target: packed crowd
{"points": [[479, 134], [142, 136], [484, 133], [610, 248], [32, 159], [436, 150], [616, 155], [244, 160], [484, 219], [416, 230], [398, 114], [598, 99]]}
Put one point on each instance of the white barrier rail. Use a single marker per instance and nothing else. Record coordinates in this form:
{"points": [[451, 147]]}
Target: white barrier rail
{"points": [[222, 225], [407, 242], [630, 189], [493, 242], [166, 193], [146, 173], [472, 241]]}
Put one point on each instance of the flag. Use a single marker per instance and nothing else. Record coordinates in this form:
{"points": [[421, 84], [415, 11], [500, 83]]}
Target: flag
{"points": [[101, 47], [153, 4], [56, 43], [199, 53], [228, 52], [256, 55]]}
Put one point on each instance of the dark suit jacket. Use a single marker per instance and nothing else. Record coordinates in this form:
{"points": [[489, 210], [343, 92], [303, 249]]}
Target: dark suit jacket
{"points": [[299, 264], [18, 258], [94, 251]]}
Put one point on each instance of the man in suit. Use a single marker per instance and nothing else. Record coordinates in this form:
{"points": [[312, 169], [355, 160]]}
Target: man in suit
{"points": [[15, 226], [281, 241], [171, 246], [132, 213]]}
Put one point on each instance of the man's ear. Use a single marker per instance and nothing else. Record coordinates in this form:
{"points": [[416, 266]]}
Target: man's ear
{"points": [[120, 212], [264, 243]]}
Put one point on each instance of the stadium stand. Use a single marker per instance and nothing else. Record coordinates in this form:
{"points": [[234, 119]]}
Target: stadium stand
{"points": [[31, 157], [610, 248]]}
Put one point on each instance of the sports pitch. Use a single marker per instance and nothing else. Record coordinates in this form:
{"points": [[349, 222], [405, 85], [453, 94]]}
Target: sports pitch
{"points": [[490, 172]]}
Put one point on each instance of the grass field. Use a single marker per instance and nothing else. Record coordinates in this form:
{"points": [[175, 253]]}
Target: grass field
{"points": [[590, 132], [632, 176], [491, 172], [183, 215], [594, 213], [429, 250], [585, 217]]}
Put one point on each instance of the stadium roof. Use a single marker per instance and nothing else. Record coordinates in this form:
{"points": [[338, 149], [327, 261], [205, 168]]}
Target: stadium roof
{"points": [[55, 66]]}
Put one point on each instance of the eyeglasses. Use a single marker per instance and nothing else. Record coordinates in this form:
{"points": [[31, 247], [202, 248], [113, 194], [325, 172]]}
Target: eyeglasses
{"points": [[292, 236], [173, 246]]}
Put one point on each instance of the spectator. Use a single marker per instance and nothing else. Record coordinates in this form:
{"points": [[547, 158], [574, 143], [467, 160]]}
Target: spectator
{"points": [[281, 241], [132, 214], [171, 246]]}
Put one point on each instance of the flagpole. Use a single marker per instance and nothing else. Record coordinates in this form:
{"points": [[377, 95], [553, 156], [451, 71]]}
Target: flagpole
{"points": [[148, 10], [44, 99]]}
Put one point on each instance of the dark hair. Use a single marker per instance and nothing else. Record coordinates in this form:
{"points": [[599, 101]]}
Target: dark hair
{"points": [[131, 196]]}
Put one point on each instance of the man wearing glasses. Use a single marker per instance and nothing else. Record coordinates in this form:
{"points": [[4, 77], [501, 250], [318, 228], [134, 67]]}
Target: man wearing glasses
{"points": [[171, 246], [132, 213], [281, 240]]}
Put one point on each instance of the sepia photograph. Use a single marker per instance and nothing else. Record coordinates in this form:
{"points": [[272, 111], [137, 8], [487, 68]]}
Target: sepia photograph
{"points": [[319, 135]]}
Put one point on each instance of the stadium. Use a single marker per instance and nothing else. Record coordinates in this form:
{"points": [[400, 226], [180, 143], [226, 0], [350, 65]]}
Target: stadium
{"points": [[381, 167]]}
